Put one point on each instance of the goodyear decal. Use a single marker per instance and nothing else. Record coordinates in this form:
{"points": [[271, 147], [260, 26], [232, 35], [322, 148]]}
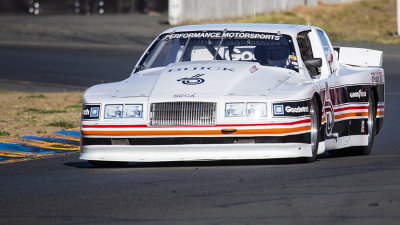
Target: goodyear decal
{"points": [[291, 108], [33, 147]]}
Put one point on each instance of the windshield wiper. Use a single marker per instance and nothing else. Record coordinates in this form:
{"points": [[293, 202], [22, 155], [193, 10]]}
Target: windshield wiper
{"points": [[184, 49], [220, 43], [139, 68]]}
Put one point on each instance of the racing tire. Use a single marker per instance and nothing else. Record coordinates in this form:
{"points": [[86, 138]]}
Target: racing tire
{"points": [[315, 130], [366, 150], [108, 164]]}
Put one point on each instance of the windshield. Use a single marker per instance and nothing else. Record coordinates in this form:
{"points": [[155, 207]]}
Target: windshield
{"points": [[268, 49]]}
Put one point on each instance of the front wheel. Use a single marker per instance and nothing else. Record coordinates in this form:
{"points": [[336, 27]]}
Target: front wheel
{"points": [[314, 130]]}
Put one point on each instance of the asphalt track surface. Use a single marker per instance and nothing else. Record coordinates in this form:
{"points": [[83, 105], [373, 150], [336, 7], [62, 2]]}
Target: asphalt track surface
{"points": [[64, 190], [67, 66]]}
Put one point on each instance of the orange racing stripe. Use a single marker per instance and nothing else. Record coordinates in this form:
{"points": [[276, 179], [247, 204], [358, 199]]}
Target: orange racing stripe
{"points": [[353, 114], [194, 132]]}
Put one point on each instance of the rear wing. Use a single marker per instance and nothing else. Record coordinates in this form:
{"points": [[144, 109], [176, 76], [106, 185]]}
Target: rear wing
{"points": [[359, 56]]}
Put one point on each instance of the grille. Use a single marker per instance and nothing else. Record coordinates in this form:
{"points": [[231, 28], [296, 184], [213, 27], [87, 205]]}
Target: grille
{"points": [[182, 114]]}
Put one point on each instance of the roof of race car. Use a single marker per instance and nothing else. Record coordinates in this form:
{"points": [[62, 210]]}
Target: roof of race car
{"points": [[289, 29]]}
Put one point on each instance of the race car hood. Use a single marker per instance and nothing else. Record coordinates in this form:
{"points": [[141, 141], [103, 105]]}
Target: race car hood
{"points": [[203, 80]]}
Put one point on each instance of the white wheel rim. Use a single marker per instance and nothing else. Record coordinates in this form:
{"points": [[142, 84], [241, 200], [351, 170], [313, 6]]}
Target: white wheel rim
{"points": [[314, 127], [370, 119]]}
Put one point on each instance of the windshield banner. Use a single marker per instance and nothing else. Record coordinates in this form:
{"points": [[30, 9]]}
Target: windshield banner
{"points": [[247, 35]]}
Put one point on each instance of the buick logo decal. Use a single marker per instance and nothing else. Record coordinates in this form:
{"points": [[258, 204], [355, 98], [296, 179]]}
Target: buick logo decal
{"points": [[194, 80]]}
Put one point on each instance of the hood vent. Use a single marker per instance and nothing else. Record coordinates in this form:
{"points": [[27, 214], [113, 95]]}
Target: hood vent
{"points": [[183, 114]]}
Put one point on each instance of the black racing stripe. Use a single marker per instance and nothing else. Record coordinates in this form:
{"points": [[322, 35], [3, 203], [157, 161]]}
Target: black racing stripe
{"points": [[342, 128], [343, 93], [95, 141], [349, 127], [379, 123], [358, 93], [298, 138], [359, 127], [381, 92]]}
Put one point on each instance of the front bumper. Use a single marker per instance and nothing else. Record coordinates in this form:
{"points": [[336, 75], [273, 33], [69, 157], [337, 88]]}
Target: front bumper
{"points": [[195, 152], [141, 143]]}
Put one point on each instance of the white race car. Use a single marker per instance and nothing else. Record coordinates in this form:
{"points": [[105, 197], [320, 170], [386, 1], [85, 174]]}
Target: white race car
{"points": [[237, 91]]}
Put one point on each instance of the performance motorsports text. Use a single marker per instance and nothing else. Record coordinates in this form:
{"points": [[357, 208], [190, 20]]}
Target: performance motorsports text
{"points": [[224, 35]]}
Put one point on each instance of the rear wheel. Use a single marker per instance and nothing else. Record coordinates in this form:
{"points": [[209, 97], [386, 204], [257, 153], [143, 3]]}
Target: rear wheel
{"points": [[315, 130], [366, 150]]}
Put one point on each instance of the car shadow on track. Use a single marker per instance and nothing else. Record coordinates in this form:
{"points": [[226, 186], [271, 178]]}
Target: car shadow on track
{"points": [[218, 163]]}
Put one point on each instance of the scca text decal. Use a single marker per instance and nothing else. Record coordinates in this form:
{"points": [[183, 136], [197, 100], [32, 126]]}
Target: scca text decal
{"points": [[185, 95]]}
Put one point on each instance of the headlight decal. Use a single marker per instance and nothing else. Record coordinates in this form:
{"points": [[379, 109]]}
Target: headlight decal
{"points": [[243, 109], [119, 111], [133, 111], [256, 109], [234, 109], [113, 111]]}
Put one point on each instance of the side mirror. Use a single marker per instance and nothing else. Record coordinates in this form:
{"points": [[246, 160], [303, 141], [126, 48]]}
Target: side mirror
{"points": [[313, 62]]}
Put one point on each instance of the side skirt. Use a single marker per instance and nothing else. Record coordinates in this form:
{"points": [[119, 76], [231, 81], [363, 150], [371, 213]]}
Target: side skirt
{"points": [[346, 141]]}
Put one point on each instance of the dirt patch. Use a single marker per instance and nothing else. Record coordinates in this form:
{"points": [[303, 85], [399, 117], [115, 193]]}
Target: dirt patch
{"points": [[34, 113]]}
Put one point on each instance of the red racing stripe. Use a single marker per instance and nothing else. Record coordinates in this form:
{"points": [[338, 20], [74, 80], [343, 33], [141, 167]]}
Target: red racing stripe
{"points": [[351, 108], [271, 131], [218, 125]]}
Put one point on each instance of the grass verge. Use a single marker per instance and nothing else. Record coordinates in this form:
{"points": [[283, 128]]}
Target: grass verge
{"points": [[63, 124], [23, 114], [4, 133], [44, 111], [36, 96]]}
